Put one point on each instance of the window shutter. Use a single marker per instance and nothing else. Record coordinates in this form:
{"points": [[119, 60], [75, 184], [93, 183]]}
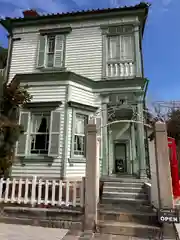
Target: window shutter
{"points": [[41, 51], [54, 135], [59, 46], [127, 45], [21, 144]]}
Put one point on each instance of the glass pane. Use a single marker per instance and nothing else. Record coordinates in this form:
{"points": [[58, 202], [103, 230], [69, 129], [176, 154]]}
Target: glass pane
{"points": [[81, 121], [40, 133], [51, 44], [79, 145], [113, 47], [40, 123], [50, 59]]}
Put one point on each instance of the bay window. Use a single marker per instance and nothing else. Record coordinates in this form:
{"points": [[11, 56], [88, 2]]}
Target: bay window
{"points": [[41, 133], [79, 135]]}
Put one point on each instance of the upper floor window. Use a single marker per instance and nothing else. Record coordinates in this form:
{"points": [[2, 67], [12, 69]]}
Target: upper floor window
{"points": [[120, 48], [118, 51], [51, 51]]}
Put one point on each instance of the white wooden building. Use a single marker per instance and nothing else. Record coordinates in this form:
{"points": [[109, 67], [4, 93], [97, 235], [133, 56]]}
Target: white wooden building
{"points": [[79, 65]]}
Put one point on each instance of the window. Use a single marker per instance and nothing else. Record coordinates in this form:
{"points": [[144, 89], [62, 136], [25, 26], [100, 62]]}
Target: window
{"points": [[41, 134], [51, 51], [79, 135], [120, 48]]}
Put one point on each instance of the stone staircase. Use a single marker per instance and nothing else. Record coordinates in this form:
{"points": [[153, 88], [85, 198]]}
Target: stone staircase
{"points": [[125, 209], [124, 190]]}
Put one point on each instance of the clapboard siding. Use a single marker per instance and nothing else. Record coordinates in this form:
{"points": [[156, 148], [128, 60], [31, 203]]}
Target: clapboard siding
{"points": [[44, 171], [80, 95], [24, 54], [83, 47], [43, 168], [47, 93], [76, 170], [84, 52]]}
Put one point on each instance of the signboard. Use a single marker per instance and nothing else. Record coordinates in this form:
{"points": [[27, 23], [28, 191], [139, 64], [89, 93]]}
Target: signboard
{"points": [[168, 216]]}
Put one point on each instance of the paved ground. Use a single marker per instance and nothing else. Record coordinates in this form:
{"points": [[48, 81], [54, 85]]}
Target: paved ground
{"points": [[22, 232]]}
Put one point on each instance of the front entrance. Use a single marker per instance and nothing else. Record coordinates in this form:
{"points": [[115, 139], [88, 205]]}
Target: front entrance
{"points": [[120, 157]]}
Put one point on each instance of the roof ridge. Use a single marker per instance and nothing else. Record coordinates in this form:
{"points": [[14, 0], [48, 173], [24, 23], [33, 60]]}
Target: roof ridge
{"points": [[96, 10]]}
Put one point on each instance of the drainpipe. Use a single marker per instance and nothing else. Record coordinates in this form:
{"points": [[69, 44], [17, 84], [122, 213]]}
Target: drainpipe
{"points": [[146, 131], [10, 48], [144, 100]]}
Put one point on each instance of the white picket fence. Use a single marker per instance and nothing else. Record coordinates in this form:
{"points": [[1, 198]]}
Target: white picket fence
{"points": [[30, 191]]}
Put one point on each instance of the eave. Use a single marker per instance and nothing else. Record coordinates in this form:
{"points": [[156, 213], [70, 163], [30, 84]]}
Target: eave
{"points": [[96, 86]]}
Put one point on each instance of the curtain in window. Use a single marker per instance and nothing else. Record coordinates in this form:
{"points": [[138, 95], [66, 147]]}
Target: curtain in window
{"points": [[41, 138], [79, 125]]}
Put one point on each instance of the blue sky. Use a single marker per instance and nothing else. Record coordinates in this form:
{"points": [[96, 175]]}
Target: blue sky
{"points": [[161, 43]]}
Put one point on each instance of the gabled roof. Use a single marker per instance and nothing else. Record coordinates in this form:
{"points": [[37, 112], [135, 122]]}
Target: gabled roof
{"points": [[141, 10]]}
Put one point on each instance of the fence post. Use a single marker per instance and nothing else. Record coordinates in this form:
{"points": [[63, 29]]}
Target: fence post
{"points": [[33, 191], [91, 182]]}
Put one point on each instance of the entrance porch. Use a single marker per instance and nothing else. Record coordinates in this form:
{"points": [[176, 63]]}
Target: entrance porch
{"points": [[123, 141]]}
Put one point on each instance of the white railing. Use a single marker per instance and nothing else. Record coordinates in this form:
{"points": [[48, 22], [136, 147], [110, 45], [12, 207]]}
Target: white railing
{"points": [[120, 69], [35, 192]]}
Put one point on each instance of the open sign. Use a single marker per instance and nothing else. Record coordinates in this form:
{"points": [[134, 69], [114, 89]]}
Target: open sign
{"points": [[168, 216]]}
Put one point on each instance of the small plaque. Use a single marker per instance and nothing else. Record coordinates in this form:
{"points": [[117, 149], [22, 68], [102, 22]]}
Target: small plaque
{"points": [[168, 215]]}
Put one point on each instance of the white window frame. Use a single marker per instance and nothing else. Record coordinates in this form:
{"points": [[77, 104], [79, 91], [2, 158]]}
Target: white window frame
{"points": [[46, 52], [27, 146], [119, 56], [30, 133], [85, 114]]}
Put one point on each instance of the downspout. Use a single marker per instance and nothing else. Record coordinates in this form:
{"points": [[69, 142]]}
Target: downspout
{"points": [[146, 130], [9, 57], [144, 101]]}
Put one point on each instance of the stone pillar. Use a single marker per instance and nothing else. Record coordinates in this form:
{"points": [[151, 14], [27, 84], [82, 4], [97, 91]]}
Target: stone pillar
{"points": [[163, 166], [105, 156], [138, 56], [133, 144], [154, 178], [141, 145], [111, 153], [92, 179]]}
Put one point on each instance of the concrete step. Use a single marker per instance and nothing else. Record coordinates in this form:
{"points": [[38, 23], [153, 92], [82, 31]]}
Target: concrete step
{"points": [[125, 216], [124, 184], [118, 200], [127, 207], [120, 195], [121, 179], [128, 229], [123, 189]]}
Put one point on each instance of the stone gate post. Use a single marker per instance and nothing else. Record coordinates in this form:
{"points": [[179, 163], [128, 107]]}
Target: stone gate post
{"points": [[164, 180], [92, 179]]}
